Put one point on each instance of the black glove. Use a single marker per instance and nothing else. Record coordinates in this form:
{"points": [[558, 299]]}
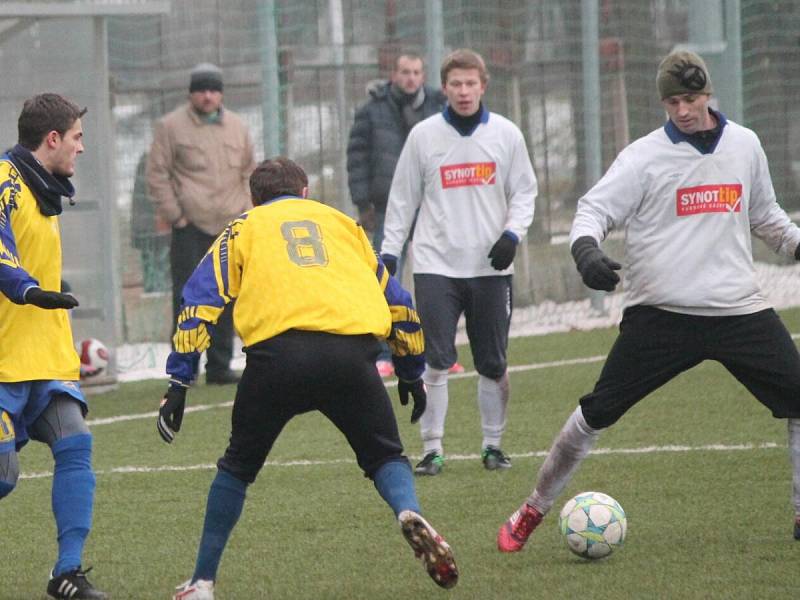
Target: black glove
{"points": [[503, 251], [596, 269], [390, 262], [170, 413], [418, 393], [43, 299]]}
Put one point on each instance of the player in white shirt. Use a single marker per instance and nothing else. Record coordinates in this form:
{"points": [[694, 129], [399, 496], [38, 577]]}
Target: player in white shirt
{"points": [[468, 173], [688, 197]]}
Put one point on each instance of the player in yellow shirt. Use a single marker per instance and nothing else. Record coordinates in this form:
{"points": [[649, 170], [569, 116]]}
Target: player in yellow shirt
{"points": [[40, 397], [312, 302]]}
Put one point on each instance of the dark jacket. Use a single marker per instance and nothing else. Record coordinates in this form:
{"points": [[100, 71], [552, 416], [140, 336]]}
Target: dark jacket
{"points": [[376, 140]]}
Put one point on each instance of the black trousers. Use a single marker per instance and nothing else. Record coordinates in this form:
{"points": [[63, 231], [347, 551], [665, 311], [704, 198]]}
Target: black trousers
{"points": [[188, 246], [655, 345], [300, 371]]}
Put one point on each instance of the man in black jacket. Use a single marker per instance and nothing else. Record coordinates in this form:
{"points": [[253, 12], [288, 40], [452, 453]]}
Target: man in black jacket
{"points": [[379, 131]]}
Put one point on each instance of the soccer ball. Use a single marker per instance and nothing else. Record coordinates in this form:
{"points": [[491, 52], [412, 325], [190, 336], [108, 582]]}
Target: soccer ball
{"points": [[593, 524], [94, 357]]}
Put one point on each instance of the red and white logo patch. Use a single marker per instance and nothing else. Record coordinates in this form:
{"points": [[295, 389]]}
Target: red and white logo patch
{"points": [[483, 173], [722, 197]]}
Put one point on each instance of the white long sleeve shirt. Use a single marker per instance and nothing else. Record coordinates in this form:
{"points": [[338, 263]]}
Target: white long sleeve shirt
{"points": [[468, 189], [687, 218]]}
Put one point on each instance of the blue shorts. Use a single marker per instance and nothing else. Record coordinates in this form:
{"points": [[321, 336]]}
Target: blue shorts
{"points": [[22, 402]]}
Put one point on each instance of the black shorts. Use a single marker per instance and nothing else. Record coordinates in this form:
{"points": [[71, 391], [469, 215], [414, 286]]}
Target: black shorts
{"points": [[655, 345], [301, 371]]}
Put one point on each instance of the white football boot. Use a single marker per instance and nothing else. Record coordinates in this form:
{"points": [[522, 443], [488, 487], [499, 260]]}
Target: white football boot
{"points": [[199, 590]]}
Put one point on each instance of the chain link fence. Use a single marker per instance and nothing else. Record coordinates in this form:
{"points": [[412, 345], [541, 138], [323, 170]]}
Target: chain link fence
{"points": [[328, 51]]}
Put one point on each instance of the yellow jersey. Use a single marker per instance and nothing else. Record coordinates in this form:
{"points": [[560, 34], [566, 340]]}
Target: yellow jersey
{"points": [[34, 343], [295, 263]]}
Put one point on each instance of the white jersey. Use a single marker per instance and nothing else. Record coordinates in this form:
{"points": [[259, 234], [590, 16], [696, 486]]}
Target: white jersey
{"points": [[687, 218], [468, 189]]}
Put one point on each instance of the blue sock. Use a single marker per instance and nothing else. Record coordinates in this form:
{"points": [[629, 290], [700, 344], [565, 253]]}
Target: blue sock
{"points": [[395, 483], [72, 498], [225, 503]]}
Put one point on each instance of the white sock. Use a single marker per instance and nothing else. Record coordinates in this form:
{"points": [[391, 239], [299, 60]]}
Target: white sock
{"points": [[493, 403], [794, 454], [570, 447], [431, 424]]}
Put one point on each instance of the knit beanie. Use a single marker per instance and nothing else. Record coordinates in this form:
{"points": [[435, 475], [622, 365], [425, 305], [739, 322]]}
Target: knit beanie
{"points": [[205, 76], [683, 72]]}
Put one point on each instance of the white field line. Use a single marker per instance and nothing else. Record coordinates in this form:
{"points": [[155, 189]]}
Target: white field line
{"points": [[389, 384], [393, 383], [450, 457], [154, 414]]}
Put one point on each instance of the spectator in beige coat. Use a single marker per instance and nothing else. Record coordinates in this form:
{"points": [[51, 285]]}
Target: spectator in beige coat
{"points": [[198, 170]]}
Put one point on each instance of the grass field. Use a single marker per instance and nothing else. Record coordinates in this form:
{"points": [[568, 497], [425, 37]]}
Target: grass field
{"points": [[700, 467]]}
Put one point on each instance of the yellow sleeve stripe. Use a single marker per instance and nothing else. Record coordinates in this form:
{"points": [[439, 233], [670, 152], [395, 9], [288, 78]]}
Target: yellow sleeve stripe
{"points": [[186, 314], [9, 263], [208, 313], [384, 280], [403, 343], [403, 313], [192, 340], [204, 313], [218, 272], [7, 257]]}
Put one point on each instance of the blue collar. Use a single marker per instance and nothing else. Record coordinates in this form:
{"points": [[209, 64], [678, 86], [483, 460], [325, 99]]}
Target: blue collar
{"points": [[281, 197], [465, 125], [676, 135]]}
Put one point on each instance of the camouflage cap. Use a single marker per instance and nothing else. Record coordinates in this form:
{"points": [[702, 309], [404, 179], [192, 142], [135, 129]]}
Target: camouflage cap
{"points": [[683, 72]]}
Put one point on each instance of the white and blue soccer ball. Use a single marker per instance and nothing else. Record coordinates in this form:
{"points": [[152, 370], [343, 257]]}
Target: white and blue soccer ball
{"points": [[593, 524]]}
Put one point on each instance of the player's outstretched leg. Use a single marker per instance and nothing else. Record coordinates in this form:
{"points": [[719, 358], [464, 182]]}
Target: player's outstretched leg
{"points": [[518, 528], [197, 590], [224, 507], [794, 454], [73, 585], [430, 547], [570, 447], [395, 483]]}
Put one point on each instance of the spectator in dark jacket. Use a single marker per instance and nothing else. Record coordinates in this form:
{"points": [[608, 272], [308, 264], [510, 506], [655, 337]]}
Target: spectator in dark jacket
{"points": [[380, 129]]}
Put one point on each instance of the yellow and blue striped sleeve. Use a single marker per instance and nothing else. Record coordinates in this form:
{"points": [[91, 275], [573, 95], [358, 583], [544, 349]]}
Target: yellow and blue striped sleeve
{"points": [[212, 285], [14, 279], [406, 340]]}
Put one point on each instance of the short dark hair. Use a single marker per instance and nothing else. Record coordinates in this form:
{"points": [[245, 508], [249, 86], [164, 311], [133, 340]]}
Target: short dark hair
{"points": [[279, 176], [45, 113], [409, 54], [464, 58]]}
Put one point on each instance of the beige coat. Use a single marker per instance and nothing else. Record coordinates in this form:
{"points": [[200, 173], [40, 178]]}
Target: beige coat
{"points": [[200, 171]]}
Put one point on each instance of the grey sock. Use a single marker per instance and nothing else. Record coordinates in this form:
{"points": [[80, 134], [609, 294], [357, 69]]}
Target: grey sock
{"points": [[794, 454], [492, 401], [570, 447]]}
